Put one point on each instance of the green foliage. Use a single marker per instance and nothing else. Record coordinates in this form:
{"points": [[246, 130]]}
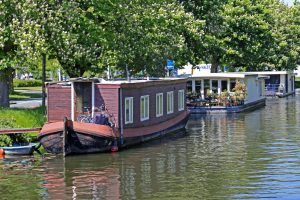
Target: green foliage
{"points": [[147, 34], [7, 140], [287, 33], [16, 118], [248, 38], [90, 36], [209, 46], [297, 82], [21, 95], [27, 83]]}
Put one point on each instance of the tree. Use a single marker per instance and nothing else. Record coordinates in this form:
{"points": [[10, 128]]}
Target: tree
{"points": [[209, 47], [249, 39], [287, 34], [8, 48], [65, 30], [147, 33]]}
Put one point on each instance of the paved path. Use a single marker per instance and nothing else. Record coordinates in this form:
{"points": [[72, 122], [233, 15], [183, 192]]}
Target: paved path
{"points": [[27, 103]]}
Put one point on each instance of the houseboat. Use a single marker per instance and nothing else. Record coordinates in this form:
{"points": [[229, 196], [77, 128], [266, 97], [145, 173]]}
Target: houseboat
{"points": [[225, 92], [280, 83], [110, 115]]}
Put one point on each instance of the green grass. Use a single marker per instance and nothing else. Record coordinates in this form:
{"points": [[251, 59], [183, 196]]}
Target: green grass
{"points": [[20, 118], [297, 82], [23, 118], [22, 96], [36, 88]]}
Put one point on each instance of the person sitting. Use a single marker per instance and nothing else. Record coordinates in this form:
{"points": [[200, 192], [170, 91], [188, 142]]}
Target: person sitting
{"points": [[101, 118]]}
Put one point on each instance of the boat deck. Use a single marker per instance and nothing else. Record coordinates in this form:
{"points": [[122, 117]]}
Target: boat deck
{"points": [[216, 109]]}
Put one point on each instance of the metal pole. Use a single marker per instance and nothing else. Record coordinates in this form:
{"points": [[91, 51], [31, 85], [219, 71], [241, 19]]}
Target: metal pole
{"points": [[43, 81], [65, 133]]}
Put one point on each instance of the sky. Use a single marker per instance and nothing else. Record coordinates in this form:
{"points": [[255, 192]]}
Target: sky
{"points": [[289, 2]]}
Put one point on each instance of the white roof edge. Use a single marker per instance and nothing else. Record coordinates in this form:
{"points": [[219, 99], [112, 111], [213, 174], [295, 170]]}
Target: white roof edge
{"points": [[271, 72], [221, 75]]}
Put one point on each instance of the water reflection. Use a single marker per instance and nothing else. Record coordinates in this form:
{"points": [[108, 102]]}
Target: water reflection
{"points": [[251, 155]]}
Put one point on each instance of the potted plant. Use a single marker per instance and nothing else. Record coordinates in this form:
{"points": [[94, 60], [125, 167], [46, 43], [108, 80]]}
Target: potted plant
{"points": [[240, 91], [224, 97]]}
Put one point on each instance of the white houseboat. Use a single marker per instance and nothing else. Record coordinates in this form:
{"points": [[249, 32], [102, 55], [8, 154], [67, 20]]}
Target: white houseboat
{"points": [[225, 92], [280, 83]]}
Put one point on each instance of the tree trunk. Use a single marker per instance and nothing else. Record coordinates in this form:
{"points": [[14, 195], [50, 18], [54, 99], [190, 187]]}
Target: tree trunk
{"points": [[214, 68], [43, 81], [11, 81], [214, 65], [5, 75]]}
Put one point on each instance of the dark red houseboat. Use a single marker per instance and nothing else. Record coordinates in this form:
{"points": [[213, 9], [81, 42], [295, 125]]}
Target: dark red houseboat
{"points": [[109, 115]]}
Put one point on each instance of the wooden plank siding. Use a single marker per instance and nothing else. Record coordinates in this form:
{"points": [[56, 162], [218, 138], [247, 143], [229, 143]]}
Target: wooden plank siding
{"points": [[59, 102], [109, 96], [152, 90], [19, 130]]}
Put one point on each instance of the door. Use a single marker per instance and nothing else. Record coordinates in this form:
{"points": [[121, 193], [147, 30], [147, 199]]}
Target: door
{"points": [[83, 98]]}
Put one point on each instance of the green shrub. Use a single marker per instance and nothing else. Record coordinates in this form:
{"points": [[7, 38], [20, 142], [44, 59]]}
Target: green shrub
{"points": [[297, 82], [27, 83], [16, 118], [7, 140]]}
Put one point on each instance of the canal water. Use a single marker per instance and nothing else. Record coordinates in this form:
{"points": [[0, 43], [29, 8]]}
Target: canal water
{"points": [[254, 155]]}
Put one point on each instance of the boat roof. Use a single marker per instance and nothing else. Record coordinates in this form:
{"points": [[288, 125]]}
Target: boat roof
{"points": [[272, 72], [118, 81], [261, 74], [223, 75]]}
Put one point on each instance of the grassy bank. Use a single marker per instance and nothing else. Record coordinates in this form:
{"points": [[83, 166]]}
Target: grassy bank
{"points": [[20, 118], [37, 88], [297, 82], [23, 96]]}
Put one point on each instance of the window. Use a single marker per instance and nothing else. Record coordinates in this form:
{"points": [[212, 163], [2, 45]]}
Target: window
{"points": [[128, 110], [144, 107], [170, 102], [198, 87], [206, 87], [180, 100], [232, 84], [214, 86], [189, 86], [159, 105], [224, 85]]}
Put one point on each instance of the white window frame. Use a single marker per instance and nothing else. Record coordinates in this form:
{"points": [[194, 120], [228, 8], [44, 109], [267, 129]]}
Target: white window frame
{"points": [[180, 100], [130, 100], [159, 104], [170, 108], [144, 106]]}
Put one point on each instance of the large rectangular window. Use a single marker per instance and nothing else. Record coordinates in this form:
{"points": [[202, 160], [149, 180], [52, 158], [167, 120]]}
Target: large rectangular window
{"points": [[170, 102], [180, 100], [128, 110], [214, 86], [198, 88], [224, 85], [206, 87], [144, 107], [159, 105]]}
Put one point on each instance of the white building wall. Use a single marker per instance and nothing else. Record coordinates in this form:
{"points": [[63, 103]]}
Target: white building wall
{"points": [[253, 89], [282, 79], [290, 82]]}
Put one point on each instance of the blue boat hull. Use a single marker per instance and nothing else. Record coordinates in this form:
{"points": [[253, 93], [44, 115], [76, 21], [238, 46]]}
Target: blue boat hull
{"points": [[20, 150]]}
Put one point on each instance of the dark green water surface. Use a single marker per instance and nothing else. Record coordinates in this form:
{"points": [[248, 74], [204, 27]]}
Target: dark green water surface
{"points": [[254, 155]]}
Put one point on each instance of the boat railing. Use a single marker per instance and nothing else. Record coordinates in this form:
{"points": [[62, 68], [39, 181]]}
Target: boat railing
{"points": [[19, 130], [272, 89]]}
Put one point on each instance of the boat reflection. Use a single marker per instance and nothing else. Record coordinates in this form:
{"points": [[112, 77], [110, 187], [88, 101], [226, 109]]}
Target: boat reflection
{"points": [[109, 175], [81, 177]]}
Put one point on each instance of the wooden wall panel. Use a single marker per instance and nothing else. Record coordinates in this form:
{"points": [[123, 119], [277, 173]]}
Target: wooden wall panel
{"points": [[59, 102]]}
